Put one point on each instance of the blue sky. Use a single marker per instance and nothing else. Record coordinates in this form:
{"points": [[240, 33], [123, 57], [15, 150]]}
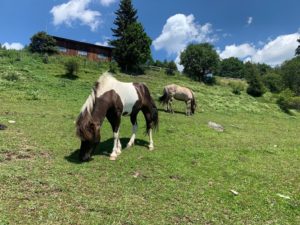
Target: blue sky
{"points": [[264, 31]]}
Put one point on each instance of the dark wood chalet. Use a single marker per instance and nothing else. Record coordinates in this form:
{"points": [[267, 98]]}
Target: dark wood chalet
{"points": [[78, 48]]}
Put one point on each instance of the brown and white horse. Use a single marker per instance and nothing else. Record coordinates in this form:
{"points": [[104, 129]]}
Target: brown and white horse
{"points": [[111, 99], [177, 92]]}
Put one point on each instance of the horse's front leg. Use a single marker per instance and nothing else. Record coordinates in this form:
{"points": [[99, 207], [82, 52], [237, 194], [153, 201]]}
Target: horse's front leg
{"points": [[170, 105], [117, 146]]}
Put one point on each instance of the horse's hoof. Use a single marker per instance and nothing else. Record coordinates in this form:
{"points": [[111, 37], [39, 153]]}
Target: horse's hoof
{"points": [[129, 145], [112, 158], [151, 148]]}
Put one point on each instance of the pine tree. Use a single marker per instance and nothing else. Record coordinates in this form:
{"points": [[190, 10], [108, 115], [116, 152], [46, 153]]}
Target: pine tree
{"points": [[126, 15], [132, 45]]}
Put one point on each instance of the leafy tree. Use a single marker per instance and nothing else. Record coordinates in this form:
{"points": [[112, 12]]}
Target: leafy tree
{"points": [[231, 67], [298, 48], [132, 45], [263, 68], [198, 60], [291, 74], [273, 81], [256, 87], [171, 68], [41, 42]]}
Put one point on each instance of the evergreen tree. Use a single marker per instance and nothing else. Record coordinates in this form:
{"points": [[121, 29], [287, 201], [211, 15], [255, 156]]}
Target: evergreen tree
{"points": [[126, 15], [132, 45]]}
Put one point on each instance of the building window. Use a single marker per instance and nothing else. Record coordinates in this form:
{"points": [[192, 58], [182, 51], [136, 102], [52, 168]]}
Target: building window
{"points": [[82, 53], [62, 49], [102, 56]]}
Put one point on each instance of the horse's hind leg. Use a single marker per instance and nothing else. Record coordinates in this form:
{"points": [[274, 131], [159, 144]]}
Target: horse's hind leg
{"points": [[188, 107], [149, 125], [134, 129]]}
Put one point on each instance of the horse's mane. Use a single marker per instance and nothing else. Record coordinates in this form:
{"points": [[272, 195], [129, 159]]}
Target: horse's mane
{"points": [[85, 117]]}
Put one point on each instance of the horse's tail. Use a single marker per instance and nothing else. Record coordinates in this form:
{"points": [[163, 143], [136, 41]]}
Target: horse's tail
{"points": [[193, 104], [164, 98]]}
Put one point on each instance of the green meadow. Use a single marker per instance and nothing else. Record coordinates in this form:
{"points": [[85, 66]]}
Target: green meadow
{"points": [[248, 174]]}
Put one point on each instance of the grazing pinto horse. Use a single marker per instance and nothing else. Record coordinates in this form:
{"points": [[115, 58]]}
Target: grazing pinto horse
{"points": [[174, 91], [111, 98]]}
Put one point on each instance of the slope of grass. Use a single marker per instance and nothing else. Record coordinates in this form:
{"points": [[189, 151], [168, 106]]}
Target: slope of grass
{"points": [[187, 179]]}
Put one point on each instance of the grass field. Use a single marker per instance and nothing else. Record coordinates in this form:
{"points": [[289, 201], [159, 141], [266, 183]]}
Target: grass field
{"points": [[190, 177]]}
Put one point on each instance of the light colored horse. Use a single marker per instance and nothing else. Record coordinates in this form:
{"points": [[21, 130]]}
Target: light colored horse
{"points": [[177, 92]]}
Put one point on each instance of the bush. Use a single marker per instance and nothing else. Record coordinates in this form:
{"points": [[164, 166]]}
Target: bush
{"points": [[11, 76], [287, 100], [237, 87], [72, 68], [273, 81], [113, 67], [171, 68], [45, 58]]}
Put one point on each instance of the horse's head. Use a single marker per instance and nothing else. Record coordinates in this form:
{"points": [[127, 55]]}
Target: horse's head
{"points": [[90, 138]]}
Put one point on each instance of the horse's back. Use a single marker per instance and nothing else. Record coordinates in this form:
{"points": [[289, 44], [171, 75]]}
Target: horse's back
{"points": [[179, 92]]}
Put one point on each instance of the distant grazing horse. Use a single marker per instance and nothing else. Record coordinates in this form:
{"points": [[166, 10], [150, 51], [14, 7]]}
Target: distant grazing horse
{"points": [[174, 91], [111, 98]]}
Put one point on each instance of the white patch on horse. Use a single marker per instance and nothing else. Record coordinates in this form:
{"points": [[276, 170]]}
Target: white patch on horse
{"points": [[126, 91]]}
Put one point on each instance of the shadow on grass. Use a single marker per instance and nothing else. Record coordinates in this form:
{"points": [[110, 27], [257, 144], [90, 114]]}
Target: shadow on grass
{"points": [[177, 112], [104, 148], [68, 76]]}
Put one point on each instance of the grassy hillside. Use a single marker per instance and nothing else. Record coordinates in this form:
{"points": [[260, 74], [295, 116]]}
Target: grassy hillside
{"points": [[187, 179]]}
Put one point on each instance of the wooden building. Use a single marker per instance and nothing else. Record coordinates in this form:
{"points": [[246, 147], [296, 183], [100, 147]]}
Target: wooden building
{"points": [[77, 48]]}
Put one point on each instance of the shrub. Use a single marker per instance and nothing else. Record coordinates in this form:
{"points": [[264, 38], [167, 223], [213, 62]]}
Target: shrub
{"points": [[72, 67], [113, 67], [287, 100], [237, 87], [273, 81], [45, 58], [11, 76], [171, 68]]}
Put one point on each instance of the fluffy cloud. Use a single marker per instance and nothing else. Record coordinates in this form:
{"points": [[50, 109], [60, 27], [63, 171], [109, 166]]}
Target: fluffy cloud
{"points": [[179, 31], [278, 50], [75, 10], [107, 2], [274, 52], [14, 45], [239, 51]]}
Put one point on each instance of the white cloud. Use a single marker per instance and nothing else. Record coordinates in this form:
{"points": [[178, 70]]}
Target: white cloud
{"points": [[105, 43], [179, 31], [239, 51], [273, 53], [75, 10], [107, 2], [14, 45], [278, 50], [249, 20]]}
